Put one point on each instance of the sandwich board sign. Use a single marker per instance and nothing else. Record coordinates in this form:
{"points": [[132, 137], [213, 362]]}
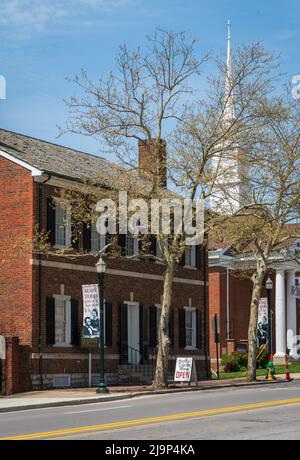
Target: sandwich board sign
{"points": [[185, 370]]}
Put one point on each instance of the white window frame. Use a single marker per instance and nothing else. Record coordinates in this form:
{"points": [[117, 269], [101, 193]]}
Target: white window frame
{"points": [[194, 328], [192, 262], [97, 244], [59, 299], [67, 226]]}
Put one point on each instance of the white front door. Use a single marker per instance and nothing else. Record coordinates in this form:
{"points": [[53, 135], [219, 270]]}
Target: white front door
{"points": [[133, 333]]}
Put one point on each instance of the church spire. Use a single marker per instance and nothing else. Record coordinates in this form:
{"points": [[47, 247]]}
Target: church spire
{"points": [[229, 113]]}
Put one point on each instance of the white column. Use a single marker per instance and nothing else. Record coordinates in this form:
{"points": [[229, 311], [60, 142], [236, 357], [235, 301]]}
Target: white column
{"points": [[280, 315], [291, 312]]}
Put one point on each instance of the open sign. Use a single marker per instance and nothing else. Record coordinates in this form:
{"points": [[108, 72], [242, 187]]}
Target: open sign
{"points": [[185, 370]]}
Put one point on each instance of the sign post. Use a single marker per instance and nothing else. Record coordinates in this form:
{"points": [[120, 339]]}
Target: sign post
{"points": [[217, 341], [91, 322]]}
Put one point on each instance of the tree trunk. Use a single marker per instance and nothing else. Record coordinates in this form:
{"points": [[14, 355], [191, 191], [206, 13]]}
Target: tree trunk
{"points": [[258, 279], [162, 364]]}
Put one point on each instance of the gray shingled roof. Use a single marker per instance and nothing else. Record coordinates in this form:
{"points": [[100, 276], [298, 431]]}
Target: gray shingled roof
{"points": [[73, 164]]}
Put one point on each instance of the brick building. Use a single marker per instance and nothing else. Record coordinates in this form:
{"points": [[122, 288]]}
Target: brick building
{"points": [[41, 295], [230, 294]]}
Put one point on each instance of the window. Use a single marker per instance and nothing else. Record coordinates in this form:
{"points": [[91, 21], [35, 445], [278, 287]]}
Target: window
{"points": [[97, 241], [62, 227], [62, 321], [190, 256], [132, 245], [190, 328], [158, 250]]}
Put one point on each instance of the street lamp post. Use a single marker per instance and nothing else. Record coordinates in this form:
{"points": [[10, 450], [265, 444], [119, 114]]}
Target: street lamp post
{"points": [[269, 287], [101, 269]]}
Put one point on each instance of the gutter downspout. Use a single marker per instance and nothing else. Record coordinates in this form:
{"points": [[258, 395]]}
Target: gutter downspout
{"points": [[227, 303], [40, 299], [206, 325]]}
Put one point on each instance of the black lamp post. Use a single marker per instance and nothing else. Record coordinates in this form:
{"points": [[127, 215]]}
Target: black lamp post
{"points": [[101, 269], [269, 287]]}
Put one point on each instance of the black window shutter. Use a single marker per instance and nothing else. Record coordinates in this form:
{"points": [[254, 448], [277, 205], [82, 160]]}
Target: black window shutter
{"points": [[74, 322], [143, 334], [122, 244], [182, 337], [51, 220], [123, 333], [199, 256], [153, 245], [171, 329], [108, 324], [153, 326], [182, 260], [75, 236], [50, 321], [199, 329], [87, 236]]}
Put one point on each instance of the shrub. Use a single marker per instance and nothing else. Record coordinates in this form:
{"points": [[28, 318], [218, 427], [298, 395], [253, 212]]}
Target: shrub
{"points": [[230, 363], [242, 359], [235, 362]]}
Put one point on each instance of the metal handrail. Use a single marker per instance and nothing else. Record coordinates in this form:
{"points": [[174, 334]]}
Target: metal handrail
{"points": [[145, 367]]}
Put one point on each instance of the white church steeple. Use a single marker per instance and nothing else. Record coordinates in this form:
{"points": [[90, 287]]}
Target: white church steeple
{"points": [[228, 191], [229, 98]]}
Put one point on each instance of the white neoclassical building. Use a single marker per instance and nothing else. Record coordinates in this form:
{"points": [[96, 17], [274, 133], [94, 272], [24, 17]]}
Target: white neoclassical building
{"points": [[230, 298]]}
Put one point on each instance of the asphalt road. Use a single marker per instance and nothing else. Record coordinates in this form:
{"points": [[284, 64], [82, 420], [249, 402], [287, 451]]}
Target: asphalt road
{"points": [[268, 412]]}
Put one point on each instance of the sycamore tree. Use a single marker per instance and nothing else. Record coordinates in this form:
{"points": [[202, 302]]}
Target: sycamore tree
{"points": [[260, 231], [150, 99], [140, 102]]}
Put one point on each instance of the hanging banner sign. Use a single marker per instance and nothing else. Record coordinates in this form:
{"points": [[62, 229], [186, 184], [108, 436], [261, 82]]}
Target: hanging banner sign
{"points": [[185, 370], [262, 324], [91, 311], [296, 291]]}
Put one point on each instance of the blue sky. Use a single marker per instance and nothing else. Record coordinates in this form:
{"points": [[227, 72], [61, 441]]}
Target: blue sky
{"points": [[44, 41]]}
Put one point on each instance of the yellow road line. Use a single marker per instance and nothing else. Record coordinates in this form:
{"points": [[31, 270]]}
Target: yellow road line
{"points": [[165, 418], [158, 424]]}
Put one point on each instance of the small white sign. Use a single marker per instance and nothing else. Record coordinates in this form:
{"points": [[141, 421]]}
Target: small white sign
{"points": [[2, 347], [185, 370], [91, 310]]}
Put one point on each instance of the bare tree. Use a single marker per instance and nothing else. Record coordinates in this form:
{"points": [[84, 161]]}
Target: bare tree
{"points": [[150, 99], [260, 231], [141, 102]]}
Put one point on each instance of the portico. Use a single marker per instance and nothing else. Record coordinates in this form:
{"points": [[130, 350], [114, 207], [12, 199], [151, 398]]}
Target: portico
{"points": [[230, 297], [285, 311]]}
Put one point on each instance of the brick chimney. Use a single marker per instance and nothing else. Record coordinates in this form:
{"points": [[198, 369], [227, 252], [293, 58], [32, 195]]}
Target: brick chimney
{"points": [[153, 159]]}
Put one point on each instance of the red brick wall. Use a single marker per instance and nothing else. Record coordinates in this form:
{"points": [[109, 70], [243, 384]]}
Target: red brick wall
{"points": [[21, 300], [240, 292], [16, 223], [117, 290]]}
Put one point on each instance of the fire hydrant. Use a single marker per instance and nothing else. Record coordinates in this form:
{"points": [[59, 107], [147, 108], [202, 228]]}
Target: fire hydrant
{"points": [[270, 375]]}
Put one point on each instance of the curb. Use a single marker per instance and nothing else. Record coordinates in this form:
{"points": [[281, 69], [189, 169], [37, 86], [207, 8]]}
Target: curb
{"points": [[79, 402]]}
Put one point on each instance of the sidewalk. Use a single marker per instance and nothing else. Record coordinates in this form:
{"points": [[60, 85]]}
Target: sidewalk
{"points": [[66, 397]]}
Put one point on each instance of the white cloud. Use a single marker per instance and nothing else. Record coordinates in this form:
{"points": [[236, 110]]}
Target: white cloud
{"points": [[39, 13]]}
